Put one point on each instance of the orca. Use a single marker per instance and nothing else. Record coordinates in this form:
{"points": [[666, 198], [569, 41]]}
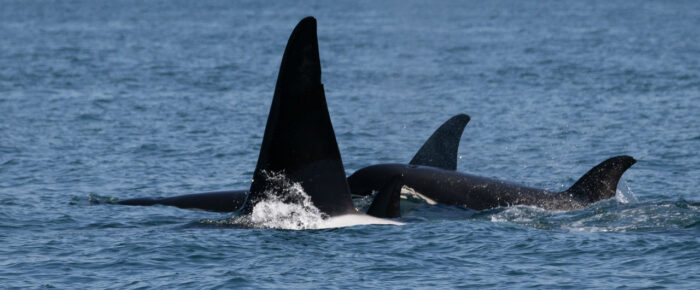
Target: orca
{"points": [[439, 150], [450, 187], [299, 143], [221, 201], [299, 147], [387, 202]]}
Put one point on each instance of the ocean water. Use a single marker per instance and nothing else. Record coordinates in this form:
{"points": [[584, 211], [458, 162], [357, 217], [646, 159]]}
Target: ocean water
{"points": [[107, 100]]}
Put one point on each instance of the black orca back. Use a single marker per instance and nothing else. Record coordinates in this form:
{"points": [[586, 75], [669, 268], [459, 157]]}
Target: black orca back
{"points": [[299, 140], [223, 201]]}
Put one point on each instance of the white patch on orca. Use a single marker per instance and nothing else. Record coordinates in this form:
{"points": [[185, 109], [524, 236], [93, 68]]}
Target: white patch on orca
{"points": [[407, 191], [358, 219], [287, 206]]}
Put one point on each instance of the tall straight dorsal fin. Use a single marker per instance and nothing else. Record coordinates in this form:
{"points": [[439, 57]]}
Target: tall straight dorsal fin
{"points": [[601, 181], [299, 141], [441, 148]]}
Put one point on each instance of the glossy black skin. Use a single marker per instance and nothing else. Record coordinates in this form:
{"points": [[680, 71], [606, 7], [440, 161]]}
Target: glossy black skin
{"points": [[387, 202], [479, 193], [455, 188], [300, 143], [440, 150], [299, 140], [222, 201]]}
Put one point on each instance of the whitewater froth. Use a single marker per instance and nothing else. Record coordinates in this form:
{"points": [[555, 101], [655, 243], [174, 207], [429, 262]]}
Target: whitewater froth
{"points": [[285, 205]]}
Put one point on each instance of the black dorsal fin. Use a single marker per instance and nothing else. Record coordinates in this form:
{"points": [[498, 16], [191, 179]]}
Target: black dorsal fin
{"points": [[601, 181], [387, 202], [299, 140], [441, 148]]}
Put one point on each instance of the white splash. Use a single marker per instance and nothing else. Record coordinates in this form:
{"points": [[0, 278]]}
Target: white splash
{"points": [[273, 212], [625, 196], [520, 214], [287, 206]]}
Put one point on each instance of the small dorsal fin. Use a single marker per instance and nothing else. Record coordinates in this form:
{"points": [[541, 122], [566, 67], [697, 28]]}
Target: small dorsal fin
{"points": [[441, 148], [387, 202], [601, 181], [299, 141]]}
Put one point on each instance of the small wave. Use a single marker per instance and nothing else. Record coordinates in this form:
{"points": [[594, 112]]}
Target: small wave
{"points": [[89, 117], [93, 199], [604, 216], [661, 216], [520, 214]]}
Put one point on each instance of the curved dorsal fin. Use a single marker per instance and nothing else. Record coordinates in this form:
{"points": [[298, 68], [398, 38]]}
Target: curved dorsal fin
{"points": [[601, 181], [441, 148], [299, 141]]}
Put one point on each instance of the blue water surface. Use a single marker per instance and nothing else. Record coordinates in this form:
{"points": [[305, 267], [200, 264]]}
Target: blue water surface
{"points": [[108, 100]]}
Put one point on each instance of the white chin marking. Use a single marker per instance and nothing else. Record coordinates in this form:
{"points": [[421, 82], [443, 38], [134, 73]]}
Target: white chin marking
{"points": [[358, 219]]}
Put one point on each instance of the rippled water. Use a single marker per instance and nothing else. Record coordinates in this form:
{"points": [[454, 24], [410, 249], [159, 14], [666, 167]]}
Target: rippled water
{"points": [[111, 100]]}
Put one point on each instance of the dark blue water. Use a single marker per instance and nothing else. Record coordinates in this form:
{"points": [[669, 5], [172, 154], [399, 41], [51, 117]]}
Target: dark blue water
{"points": [[106, 100]]}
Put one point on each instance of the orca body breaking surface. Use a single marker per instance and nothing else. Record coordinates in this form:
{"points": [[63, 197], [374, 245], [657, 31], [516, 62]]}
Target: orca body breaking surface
{"points": [[440, 150], [479, 193], [222, 201], [299, 141], [299, 145]]}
